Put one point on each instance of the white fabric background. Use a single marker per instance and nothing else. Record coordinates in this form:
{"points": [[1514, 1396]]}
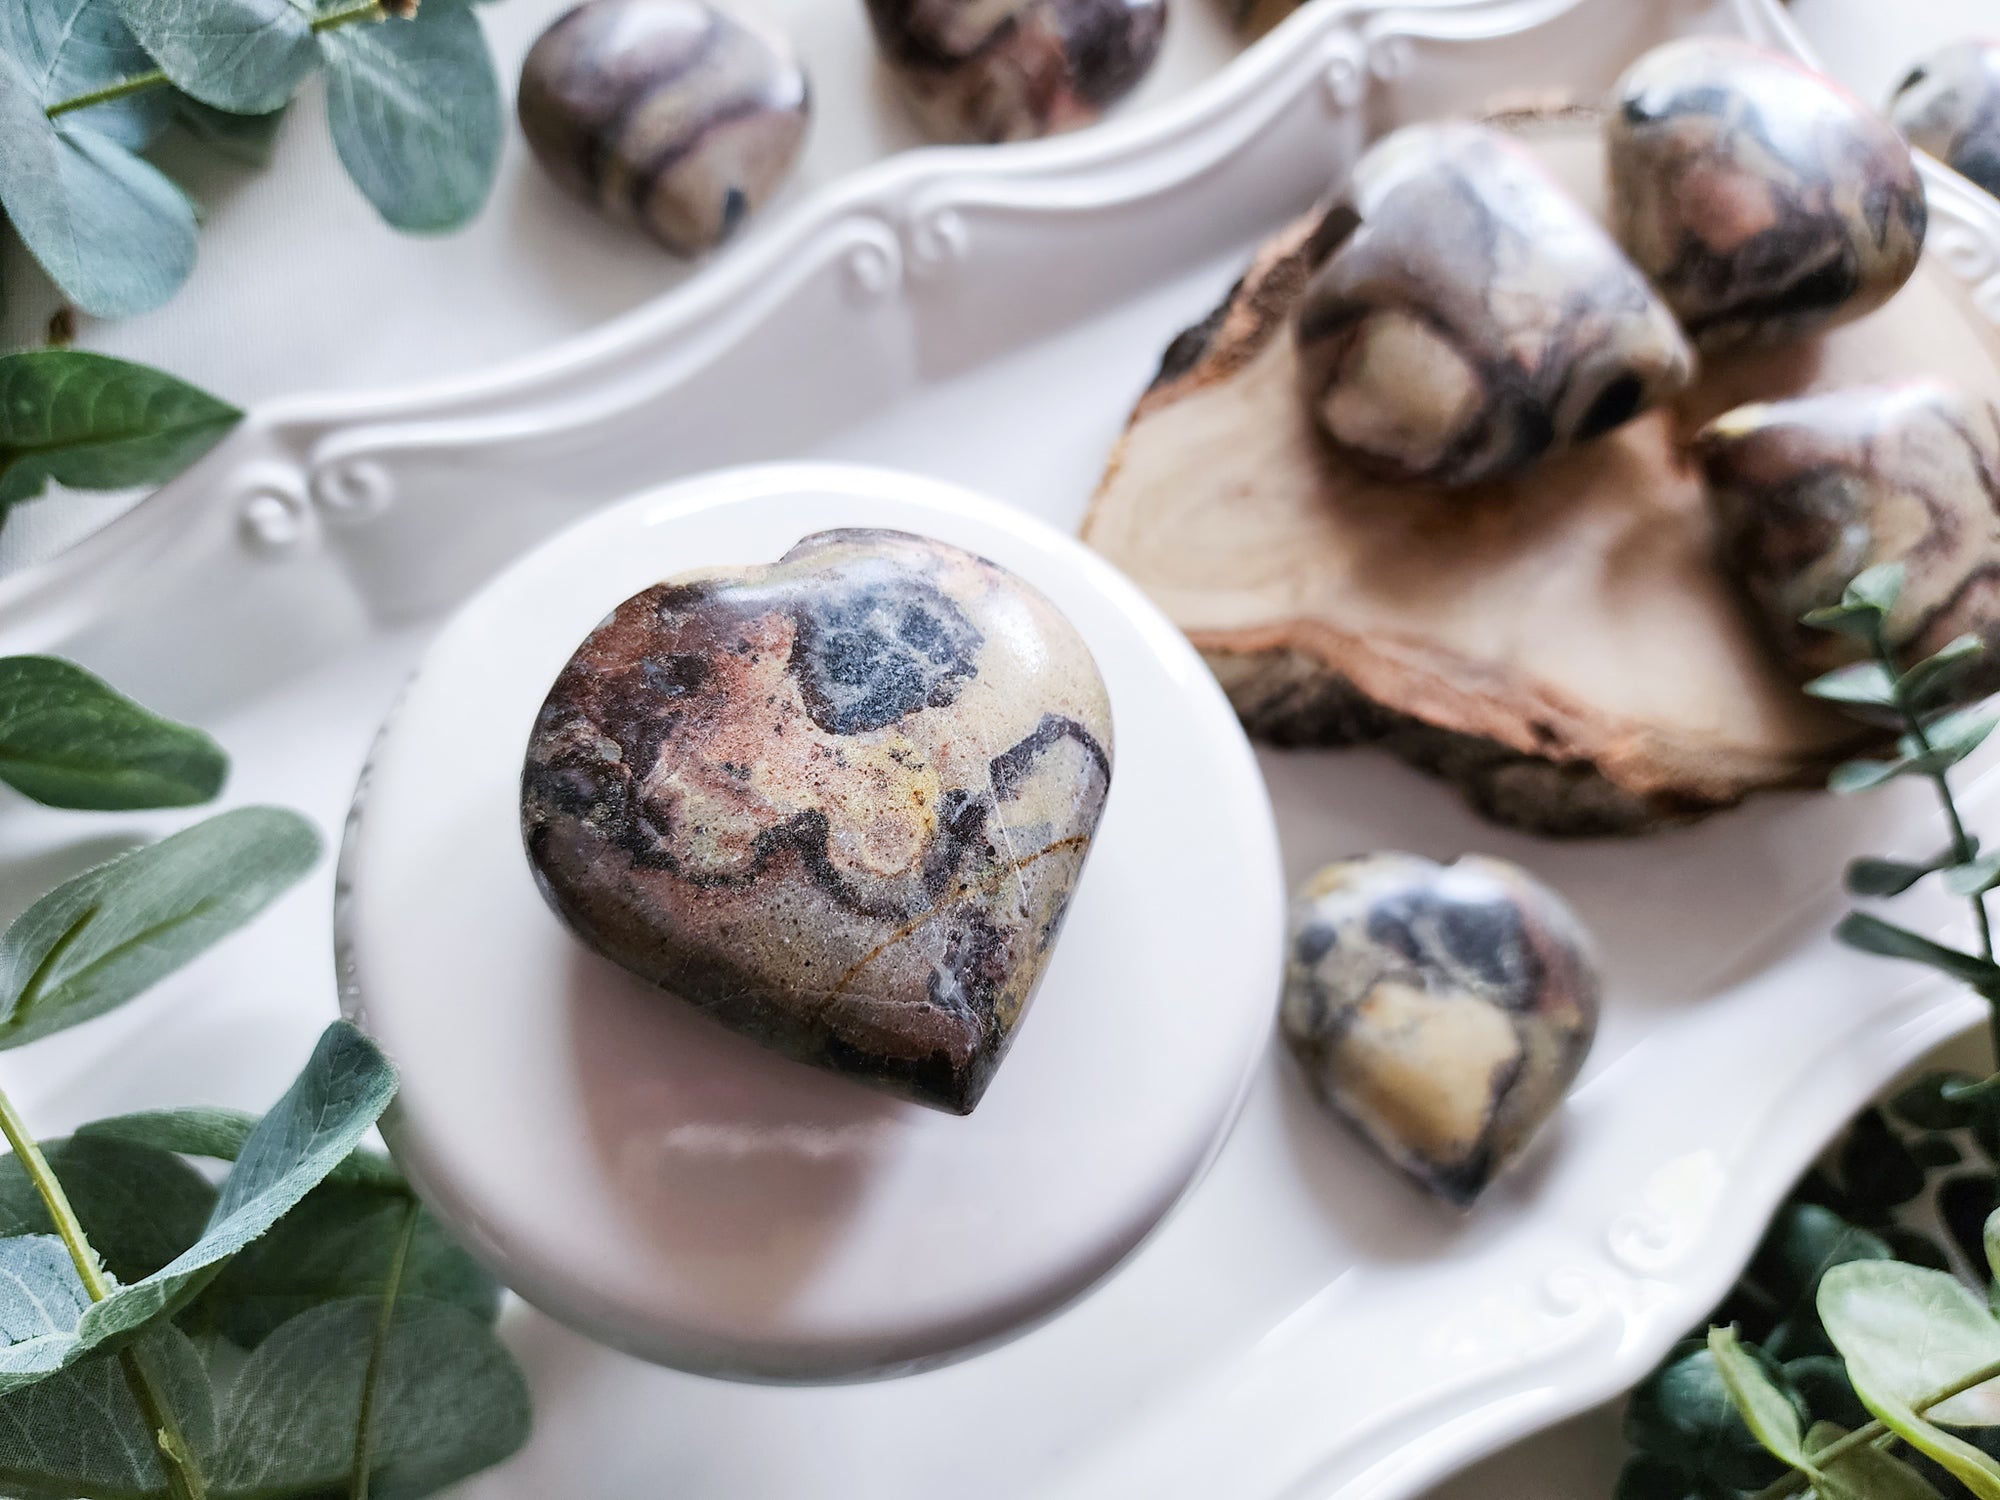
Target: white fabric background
{"points": [[300, 288]]}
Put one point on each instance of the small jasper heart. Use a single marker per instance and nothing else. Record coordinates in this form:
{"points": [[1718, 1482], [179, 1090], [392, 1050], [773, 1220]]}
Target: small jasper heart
{"points": [[840, 802]]}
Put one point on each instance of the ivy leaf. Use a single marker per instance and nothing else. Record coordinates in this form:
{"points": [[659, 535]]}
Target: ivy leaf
{"points": [[220, 1134], [68, 739], [94, 942], [1972, 1468], [1821, 1381], [449, 1402], [1916, 1331], [140, 1207], [1804, 1242], [97, 423], [246, 56], [1864, 1472], [343, 1090], [1775, 1417], [81, 1433], [1683, 1416], [1871, 934], [1865, 682], [415, 110], [110, 230], [340, 1242], [68, 48]]}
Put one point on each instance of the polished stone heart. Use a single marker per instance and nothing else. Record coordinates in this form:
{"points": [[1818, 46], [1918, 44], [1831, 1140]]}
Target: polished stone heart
{"points": [[1468, 317], [1765, 201], [840, 802], [1443, 1010]]}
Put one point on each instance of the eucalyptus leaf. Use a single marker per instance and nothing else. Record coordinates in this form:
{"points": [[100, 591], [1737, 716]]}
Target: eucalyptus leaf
{"points": [[81, 1433], [111, 231], [1975, 878], [98, 423], [1970, 1466], [415, 110], [1821, 1381], [1876, 588], [450, 1402], [1866, 682], [1937, 675], [1774, 1416], [1804, 1242], [96, 941], [1852, 776], [1864, 1472], [40, 1293], [1870, 876], [344, 1088], [247, 56], [1878, 1170], [1934, 1102], [140, 1207], [340, 1242], [248, 139], [219, 1134], [68, 739], [1951, 739], [1871, 934], [69, 48], [1918, 1331]]}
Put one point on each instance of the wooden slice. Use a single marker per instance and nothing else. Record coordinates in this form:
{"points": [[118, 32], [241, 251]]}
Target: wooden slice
{"points": [[1561, 646]]}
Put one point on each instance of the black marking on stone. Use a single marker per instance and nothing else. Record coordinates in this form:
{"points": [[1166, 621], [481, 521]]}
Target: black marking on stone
{"points": [[1335, 228], [1315, 941], [1914, 77], [878, 646], [1010, 768], [1615, 405], [675, 676], [1109, 44], [968, 977], [1192, 342]]}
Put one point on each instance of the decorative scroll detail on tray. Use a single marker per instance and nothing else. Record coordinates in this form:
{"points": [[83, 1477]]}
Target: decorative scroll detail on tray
{"points": [[1344, 78], [349, 491], [1965, 236], [273, 514], [874, 260]]}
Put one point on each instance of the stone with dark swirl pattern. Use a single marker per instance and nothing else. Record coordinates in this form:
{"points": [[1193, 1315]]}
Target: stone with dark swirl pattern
{"points": [[1763, 200], [1010, 70], [1949, 105], [1442, 1010], [1808, 493], [839, 802], [1468, 317], [668, 114]]}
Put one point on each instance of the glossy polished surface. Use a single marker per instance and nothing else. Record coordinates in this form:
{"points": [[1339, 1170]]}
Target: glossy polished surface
{"points": [[840, 802], [1764, 200], [1468, 316]]}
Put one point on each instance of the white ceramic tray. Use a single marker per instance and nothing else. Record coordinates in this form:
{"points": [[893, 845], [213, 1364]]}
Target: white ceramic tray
{"points": [[1304, 1326]]}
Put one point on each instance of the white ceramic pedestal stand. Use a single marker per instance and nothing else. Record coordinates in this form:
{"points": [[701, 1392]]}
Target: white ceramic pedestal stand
{"points": [[671, 1188]]}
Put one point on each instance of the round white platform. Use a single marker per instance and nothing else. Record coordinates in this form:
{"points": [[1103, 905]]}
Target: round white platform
{"points": [[671, 1188]]}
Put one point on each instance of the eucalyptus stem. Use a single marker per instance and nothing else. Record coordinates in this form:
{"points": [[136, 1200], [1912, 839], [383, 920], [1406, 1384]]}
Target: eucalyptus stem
{"points": [[1796, 1482], [139, 83], [184, 1477], [378, 1350], [1962, 848]]}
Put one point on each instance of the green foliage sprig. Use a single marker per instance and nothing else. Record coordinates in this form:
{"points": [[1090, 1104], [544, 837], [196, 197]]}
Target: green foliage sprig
{"points": [[87, 86], [1859, 1358], [304, 1328]]}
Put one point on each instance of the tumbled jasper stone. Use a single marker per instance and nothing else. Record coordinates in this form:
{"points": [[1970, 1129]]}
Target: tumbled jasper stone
{"points": [[1949, 105], [664, 113], [1808, 493], [1468, 316], [1443, 1010], [1009, 70], [839, 802], [1763, 200]]}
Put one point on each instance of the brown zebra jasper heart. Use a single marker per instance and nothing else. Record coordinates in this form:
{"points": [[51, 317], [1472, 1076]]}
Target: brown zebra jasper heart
{"points": [[839, 802], [1950, 106], [1810, 492], [1469, 317], [1763, 200], [668, 114], [1442, 1010], [1010, 70]]}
